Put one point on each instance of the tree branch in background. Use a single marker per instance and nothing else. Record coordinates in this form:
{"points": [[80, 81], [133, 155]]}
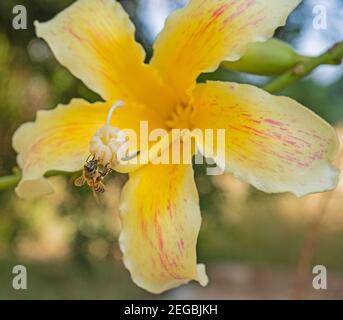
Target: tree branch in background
{"points": [[308, 249], [309, 245]]}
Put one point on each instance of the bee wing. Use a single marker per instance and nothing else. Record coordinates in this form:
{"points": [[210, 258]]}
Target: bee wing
{"points": [[80, 181]]}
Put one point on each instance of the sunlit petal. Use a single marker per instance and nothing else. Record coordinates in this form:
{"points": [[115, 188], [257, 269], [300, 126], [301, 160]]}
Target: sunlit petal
{"points": [[161, 221], [273, 143], [206, 32], [95, 40], [59, 139]]}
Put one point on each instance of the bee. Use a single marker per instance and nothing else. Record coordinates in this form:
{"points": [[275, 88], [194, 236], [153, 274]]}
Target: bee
{"points": [[93, 174]]}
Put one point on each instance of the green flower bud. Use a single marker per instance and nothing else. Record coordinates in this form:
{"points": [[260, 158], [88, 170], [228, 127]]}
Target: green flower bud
{"points": [[269, 58]]}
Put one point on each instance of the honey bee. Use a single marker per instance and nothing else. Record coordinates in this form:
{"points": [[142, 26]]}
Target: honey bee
{"points": [[93, 174]]}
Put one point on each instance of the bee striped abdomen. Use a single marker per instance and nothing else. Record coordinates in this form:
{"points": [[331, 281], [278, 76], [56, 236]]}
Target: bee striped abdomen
{"points": [[99, 189]]}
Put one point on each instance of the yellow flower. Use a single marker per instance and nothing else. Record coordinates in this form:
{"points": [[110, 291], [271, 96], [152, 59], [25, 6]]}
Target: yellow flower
{"points": [[274, 143]]}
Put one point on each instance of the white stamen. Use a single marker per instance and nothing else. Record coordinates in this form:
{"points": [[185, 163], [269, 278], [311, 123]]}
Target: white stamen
{"points": [[109, 145], [118, 104]]}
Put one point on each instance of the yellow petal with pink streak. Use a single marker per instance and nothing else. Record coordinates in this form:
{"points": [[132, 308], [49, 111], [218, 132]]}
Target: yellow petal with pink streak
{"points": [[206, 32], [161, 221], [95, 40], [59, 139], [272, 142]]}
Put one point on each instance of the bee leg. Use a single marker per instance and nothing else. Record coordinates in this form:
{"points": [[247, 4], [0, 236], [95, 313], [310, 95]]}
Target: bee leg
{"points": [[106, 170], [95, 195]]}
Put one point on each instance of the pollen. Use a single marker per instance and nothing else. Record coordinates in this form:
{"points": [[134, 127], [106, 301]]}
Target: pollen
{"points": [[109, 144]]}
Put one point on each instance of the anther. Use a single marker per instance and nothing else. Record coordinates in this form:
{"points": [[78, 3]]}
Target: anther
{"points": [[181, 117]]}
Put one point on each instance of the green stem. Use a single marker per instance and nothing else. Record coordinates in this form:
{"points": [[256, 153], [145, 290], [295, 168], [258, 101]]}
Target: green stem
{"points": [[11, 181], [302, 69]]}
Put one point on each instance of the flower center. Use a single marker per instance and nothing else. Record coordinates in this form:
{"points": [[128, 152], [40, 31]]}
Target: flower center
{"points": [[109, 145], [181, 117]]}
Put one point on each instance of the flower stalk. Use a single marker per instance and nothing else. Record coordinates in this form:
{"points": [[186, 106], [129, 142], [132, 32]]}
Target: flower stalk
{"points": [[270, 58], [7, 182], [10, 181], [333, 56]]}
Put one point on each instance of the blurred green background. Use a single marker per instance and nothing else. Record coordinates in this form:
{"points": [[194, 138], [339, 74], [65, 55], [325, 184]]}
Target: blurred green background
{"points": [[249, 241]]}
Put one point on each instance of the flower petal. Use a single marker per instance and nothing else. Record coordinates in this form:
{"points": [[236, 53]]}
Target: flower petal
{"points": [[59, 139], [161, 221], [206, 32], [95, 40], [273, 143]]}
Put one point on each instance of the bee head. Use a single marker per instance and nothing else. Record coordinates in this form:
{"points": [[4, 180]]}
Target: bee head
{"points": [[91, 166]]}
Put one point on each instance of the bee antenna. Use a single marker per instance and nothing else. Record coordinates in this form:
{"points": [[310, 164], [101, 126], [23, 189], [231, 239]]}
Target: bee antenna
{"points": [[117, 104]]}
